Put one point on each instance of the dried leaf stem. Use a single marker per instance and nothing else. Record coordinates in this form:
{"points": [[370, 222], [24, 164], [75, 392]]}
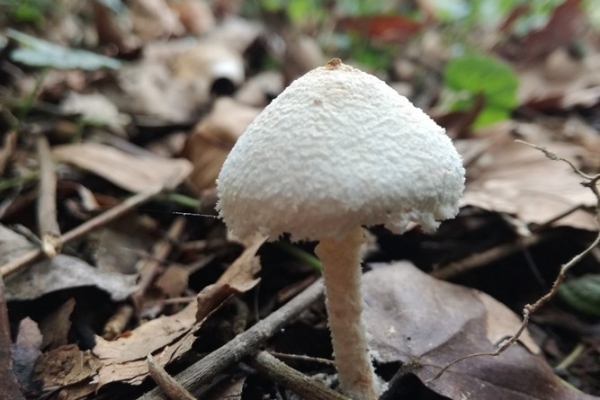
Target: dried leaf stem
{"points": [[88, 226], [170, 386], [243, 344], [160, 252], [590, 182], [294, 380], [48, 228]]}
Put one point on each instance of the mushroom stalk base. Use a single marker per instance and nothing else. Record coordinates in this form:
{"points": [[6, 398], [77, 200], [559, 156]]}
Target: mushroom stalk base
{"points": [[342, 274]]}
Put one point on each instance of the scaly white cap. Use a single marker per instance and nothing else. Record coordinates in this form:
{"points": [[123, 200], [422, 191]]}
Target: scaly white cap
{"points": [[339, 149]]}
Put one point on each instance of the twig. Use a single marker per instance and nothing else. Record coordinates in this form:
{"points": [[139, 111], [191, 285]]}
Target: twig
{"points": [[488, 256], [170, 386], [294, 380], [9, 387], [300, 357], [160, 252], [48, 228], [242, 345], [571, 358], [117, 322], [589, 182], [88, 226]]}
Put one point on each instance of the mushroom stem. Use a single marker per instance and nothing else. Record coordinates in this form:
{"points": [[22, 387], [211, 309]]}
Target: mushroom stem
{"points": [[342, 274]]}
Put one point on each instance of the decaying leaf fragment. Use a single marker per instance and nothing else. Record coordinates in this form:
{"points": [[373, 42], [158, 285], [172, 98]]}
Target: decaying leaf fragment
{"points": [[426, 323], [134, 173], [238, 278], [214, 136], [513, 178], [66, 272]]}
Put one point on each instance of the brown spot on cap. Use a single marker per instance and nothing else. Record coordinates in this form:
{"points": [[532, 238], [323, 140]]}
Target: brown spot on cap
{"points": [[334, 63]]}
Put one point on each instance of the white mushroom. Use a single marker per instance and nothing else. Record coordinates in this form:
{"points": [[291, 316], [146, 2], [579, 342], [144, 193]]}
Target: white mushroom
{"points": [[338, 150]]}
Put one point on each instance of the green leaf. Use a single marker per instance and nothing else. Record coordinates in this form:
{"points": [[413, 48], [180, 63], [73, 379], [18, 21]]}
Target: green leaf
{"points": [[582, 294], [489, 76], [40, 53]]}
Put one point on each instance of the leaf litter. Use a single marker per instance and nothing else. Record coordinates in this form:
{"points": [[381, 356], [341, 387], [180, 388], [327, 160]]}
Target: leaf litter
{"points": [[134, 75]]}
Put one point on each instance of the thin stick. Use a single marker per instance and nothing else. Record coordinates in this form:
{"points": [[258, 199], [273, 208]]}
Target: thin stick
{"points": [[170, 386], [48, 228], [88, 226], [485, 257], [294, 380], [243, 344], [160, 252]]}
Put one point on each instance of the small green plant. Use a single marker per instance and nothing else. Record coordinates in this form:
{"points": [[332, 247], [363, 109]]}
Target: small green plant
{"points": [[466, 77]]}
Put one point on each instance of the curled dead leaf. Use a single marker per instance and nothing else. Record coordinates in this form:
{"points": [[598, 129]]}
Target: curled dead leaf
{"points": [[238, 278], [213, 137], [512, 178]]}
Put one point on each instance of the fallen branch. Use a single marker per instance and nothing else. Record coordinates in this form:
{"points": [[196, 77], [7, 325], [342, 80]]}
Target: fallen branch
{"points": [[48, 228], [88, 226], [242, 345]]}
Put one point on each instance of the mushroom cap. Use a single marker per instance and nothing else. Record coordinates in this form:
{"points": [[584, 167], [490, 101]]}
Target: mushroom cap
{"points": [[335, 150]]}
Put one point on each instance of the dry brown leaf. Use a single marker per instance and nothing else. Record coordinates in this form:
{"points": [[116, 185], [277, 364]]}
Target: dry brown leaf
{"points": [[561, 82], [416, 319], [146, 339], [134, 173], [261, 88], [66, 272], [513, 178], [238, 278], [66, 365], [213, 137], [205, 62], [153, 19], [237, 32], [55, 327], [173, 281], [195, 15], [565, 22], [148, 88]]}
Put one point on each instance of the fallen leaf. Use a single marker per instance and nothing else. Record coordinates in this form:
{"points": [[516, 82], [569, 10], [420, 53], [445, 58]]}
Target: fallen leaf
{"points": [[426, 324], [66, 365], [66, 272], [237, 32], [389, 28], [153, 19], [258, 90], [134, 173], [195, 15], [12, 245], [516, 179], [173, 281], [26, 351], [209, 144], [94, 108], [565, 22], [205, 62], [238, 278], [147, 338]]}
